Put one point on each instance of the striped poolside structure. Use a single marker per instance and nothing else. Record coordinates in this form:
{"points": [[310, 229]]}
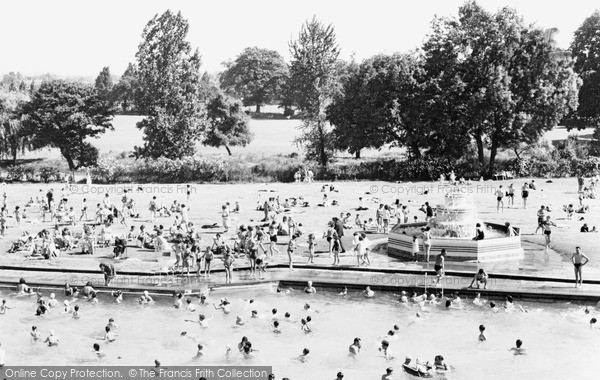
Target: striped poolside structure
{"points": [[457, 249]]}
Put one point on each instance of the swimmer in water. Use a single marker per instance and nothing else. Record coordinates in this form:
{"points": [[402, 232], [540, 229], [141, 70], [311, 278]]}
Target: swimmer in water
{"points": [[288, 318], [239, 321], [391, 335], [145, 298], [242, 343], [518, 349], [403, 298], [52, 302], [304, 356], [178, 301], [368, 293], [97, 351], [35, 334], [202, 320], [247, 350], [482, 337], [310, 288], [593, 321], [305, 326], [109, 335], [112, 324], [225, 305], [94, 298], [118, 295], [438, 363], [68, 309], [274, 327], [52, 339], [254, 314], [4, 307], [478, 301], [385, 350], [189, 305], [199, 353], [354, 348], [76, 313]]}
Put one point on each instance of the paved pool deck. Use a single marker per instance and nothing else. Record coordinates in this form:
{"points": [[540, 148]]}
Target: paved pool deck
{"points": [[332, 279], [539, 275]]}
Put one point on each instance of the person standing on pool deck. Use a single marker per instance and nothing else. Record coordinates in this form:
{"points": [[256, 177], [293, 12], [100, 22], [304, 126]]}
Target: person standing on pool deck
{"points": [[427, 242], [511, 195], [578, 261], [541, 218], [500, 199], [108, 270], [439, 266], [525, 194], [547, 230], [290, 250]]}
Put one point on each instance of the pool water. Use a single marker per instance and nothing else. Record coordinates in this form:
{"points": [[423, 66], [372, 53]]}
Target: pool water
{"points": [[558, 338]]}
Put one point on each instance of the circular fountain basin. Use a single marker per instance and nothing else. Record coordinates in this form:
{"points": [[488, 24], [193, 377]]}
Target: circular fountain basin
{"points": [[497, 245]]}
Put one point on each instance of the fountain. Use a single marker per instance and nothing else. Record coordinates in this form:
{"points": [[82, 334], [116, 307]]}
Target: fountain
{"points": [[453, 228]]}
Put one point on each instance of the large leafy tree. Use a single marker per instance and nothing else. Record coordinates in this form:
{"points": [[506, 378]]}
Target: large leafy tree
{"points": [[379, 104], [256, 76], [64, 115], [123, 93], [227, 123], [169, 88], [104, 83], [501, 79], [585, 50], [314, 74], [13, 139]]}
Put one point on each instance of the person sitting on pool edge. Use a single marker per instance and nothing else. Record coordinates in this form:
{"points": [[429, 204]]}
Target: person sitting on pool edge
{"points": [[481, 278]]}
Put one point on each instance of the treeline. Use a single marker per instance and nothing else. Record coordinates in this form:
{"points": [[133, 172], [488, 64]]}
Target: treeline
{"points": [[481, 83]]}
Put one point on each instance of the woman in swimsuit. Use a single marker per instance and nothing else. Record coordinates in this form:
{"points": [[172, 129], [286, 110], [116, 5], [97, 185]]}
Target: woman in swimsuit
{"points": [[228, 260]]}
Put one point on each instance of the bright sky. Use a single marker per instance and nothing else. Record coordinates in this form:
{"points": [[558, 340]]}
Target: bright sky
{"points": [[78, 38]]}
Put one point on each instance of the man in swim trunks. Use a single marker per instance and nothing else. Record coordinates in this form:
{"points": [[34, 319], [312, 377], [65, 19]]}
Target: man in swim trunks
{"points": [[439, 266], [579, 260]]}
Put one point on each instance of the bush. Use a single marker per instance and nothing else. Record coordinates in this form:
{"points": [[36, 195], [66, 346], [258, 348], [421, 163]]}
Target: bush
{"points": [[48, 173]]}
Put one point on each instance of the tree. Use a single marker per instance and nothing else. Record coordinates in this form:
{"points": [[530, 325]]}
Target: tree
{"points": [[209, 87], [124, 91], [63, 115], [314, 82], [227, 123], [104, 83], [11, 78], [379, 104], [22, 86], [501, 79], [585, 50], [256, 76], [13, 139], [169, 88], [170, 135]]}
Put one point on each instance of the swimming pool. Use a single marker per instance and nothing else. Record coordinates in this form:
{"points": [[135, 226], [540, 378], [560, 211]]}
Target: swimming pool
{"points": [[559, 341]]}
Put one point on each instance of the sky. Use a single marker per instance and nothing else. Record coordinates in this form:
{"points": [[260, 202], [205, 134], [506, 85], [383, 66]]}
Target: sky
{"points": [[78, 38]]}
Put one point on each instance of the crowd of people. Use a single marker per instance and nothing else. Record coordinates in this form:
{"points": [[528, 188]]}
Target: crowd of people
{"points": [[76, 301]]}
